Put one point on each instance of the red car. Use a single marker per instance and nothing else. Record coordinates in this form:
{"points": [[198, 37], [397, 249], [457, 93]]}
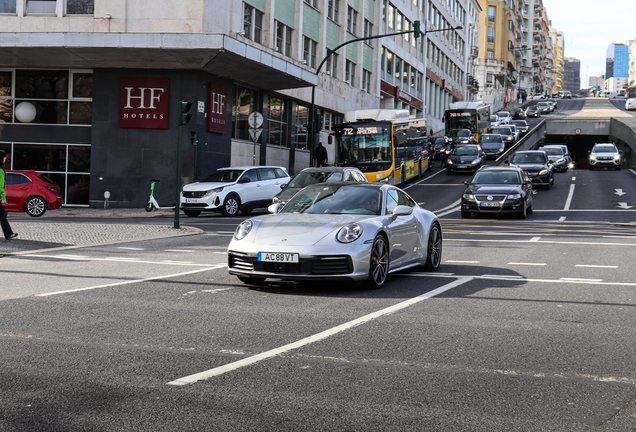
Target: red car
{"points": [[31, 192]]}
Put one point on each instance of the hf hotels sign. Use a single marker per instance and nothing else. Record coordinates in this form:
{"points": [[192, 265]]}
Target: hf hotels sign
{"points": [[144, 103], [217, 108]]}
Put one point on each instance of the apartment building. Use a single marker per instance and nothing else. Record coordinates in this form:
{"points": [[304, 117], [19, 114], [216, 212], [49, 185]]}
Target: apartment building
{"points": [[93, 101], [558, 44], [572, 75]]}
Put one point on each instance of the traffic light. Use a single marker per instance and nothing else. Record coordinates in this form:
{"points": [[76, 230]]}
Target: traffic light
{"points": [[194, 138], [184, 115], [318, 120], [416, 29]]}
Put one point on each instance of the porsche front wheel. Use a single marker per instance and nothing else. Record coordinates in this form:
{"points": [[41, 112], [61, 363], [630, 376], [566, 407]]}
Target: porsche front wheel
{"points": [[379, 265], [434, 249]]}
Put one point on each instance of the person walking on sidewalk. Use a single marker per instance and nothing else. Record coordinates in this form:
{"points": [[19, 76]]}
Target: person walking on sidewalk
{"points": [[321, 155], [6, 228]]}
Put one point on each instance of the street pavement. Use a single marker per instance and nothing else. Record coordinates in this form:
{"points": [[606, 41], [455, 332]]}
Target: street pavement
{"points": [[39, 234]]}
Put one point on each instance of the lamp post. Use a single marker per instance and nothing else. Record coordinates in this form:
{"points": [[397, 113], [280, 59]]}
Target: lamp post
{"points": [[416, 34]]}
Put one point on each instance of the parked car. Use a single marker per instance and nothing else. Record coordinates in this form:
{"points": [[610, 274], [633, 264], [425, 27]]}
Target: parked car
{"points": [[506, 134], [31, 192], [630, 104], [498, 190], [537, 164], [465, 158], [337, 232], [229, 190], [566, 152], [461, 136], [533, 111], [544, 107], [522, 126], [556, 155], [504, 117], [605, 154], [314, 175], [492, 144]]}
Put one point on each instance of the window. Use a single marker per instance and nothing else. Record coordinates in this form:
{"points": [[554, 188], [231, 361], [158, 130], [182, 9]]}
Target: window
{"points": [[491, 14], [490, 54], [309, 51], [299, 136], [244, 104], [399, 21], [283, 39], [332, 65], [352, 20], [389, 65], [332, 10], [41, 7], [510, 46], [491, 35], [366, 80], [80, 7], [391, 16], [489, 78], [511, 4], [312, 3], [511, 25], [7, 6], [350, 72], [252, 23], [368, 30], [276, 121]]}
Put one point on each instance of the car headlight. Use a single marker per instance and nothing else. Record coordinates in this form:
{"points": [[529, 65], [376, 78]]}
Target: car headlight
{"points": [[468, 196], [213, 191], [617, 157], [543, 172], [349, 233], [514, 196], [502, 148], [450, 162], [475, 161], [243, 229], [275, 200], [592, 157]]}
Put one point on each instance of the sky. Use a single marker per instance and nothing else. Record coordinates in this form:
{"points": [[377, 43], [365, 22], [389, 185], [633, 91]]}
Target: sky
{"points": [[589, 27]]}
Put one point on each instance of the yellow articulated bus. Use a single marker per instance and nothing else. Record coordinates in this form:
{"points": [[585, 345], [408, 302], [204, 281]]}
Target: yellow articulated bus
{"points": [[386, 145]]}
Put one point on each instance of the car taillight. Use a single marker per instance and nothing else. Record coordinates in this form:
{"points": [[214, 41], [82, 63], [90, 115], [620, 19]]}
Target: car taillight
{"points": [[54, 189]]}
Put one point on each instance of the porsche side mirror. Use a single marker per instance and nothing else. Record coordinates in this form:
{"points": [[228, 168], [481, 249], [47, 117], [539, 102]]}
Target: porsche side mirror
{"points": [[402, 210], [274, 208]]}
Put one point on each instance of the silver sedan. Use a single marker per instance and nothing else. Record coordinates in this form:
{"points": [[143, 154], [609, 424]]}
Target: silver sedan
{"points": [[337, 231]]}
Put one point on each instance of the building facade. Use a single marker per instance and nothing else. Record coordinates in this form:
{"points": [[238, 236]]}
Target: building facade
{"points": [[572, 75], [617, 61]]}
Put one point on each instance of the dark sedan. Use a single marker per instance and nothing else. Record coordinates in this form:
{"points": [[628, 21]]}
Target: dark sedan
{"points": [[492, 144], [533, 112], [465, 158], [507, 135], [461, 136], [310, 176], [497, 190], [537, 164], [522, 126]]}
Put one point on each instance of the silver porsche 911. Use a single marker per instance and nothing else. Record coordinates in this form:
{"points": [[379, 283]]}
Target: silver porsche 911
{"points": [[337, 231]]}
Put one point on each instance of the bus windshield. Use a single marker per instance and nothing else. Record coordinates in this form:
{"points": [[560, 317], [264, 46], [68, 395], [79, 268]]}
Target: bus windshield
{"points": [[364, 145], [461, 119]]}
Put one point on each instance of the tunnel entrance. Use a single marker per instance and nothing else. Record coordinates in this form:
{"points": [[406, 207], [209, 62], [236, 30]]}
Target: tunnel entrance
{"points": [[581, 145]]}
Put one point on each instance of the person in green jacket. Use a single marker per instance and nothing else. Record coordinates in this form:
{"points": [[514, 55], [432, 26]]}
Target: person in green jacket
{"points": [[6, 228]]}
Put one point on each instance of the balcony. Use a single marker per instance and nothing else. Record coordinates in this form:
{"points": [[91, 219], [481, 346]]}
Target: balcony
{"points": [[474, 51]]}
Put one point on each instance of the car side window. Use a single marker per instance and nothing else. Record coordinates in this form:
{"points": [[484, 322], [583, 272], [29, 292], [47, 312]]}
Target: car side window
{"points": [[16, 179], [251, 174], [280, 173], [392, 201], [404, 199], [360, 177], [267, 174]]}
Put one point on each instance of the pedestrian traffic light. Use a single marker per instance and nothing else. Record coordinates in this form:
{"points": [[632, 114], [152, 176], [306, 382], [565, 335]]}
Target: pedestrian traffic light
{"points": [[416, 29], [184, 115], [194, 138]]}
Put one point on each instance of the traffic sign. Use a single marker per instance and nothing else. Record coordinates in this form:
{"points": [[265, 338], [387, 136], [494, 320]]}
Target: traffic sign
{"points": [[255, 133], [577, 131], [255, 120]]}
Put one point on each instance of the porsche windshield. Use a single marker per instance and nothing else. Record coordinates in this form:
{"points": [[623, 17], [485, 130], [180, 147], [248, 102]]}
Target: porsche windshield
{"points": [[336, 200], [362, 144]]}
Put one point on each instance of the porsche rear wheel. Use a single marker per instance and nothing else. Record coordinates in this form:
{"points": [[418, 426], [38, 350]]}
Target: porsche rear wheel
{"points": [[434, 249], [379, 265]]}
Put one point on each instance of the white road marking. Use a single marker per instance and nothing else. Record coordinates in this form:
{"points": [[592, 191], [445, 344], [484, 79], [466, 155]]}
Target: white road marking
{"points": [[581, 280], [598, 282], [130, 281], [597, 266], [562, 218], [462, 262], [130, 248], [423, 180], [534, 239], [115, 259], [177, 250], [176, 262], [527, 264], [473, 240], [488, 276], [220, 253], [573, 178], [317, 337], [452, 208], [568, 201]]}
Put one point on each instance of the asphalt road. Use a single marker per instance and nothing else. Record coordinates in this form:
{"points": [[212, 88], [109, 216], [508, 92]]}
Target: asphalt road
{"points": [[529, 325]]}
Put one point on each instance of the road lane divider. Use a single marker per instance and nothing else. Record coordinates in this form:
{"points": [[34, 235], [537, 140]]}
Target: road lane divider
{"points": [[190, 379]]}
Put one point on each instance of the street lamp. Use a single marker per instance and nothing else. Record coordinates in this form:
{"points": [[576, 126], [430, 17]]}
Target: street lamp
{"points": [[416, 34]]}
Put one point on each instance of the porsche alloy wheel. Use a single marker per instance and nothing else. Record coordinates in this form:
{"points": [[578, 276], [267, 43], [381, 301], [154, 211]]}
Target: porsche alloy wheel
{"points": [[379, 266], [434, 249]]}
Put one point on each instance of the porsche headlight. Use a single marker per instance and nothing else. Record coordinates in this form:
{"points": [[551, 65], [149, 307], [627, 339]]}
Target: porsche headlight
{"points": [[349, 233], [543, 172], [514, 196], [243, 229]]}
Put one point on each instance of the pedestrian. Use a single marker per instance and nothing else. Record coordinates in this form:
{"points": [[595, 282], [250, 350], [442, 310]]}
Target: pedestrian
{"points": [[321, 155], [431, 133], [6, 228]]}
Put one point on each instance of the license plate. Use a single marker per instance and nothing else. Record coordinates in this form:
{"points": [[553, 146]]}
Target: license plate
{"points": [[489, 204], [191, 200], [278, 257], [462, 166]]}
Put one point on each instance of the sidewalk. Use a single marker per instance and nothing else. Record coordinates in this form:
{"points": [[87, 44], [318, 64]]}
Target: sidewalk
{"points": [[37, 234]]}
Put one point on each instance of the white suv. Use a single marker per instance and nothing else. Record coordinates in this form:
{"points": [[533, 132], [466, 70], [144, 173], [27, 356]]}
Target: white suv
{"points": [[605, 154], [229, 190]]}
